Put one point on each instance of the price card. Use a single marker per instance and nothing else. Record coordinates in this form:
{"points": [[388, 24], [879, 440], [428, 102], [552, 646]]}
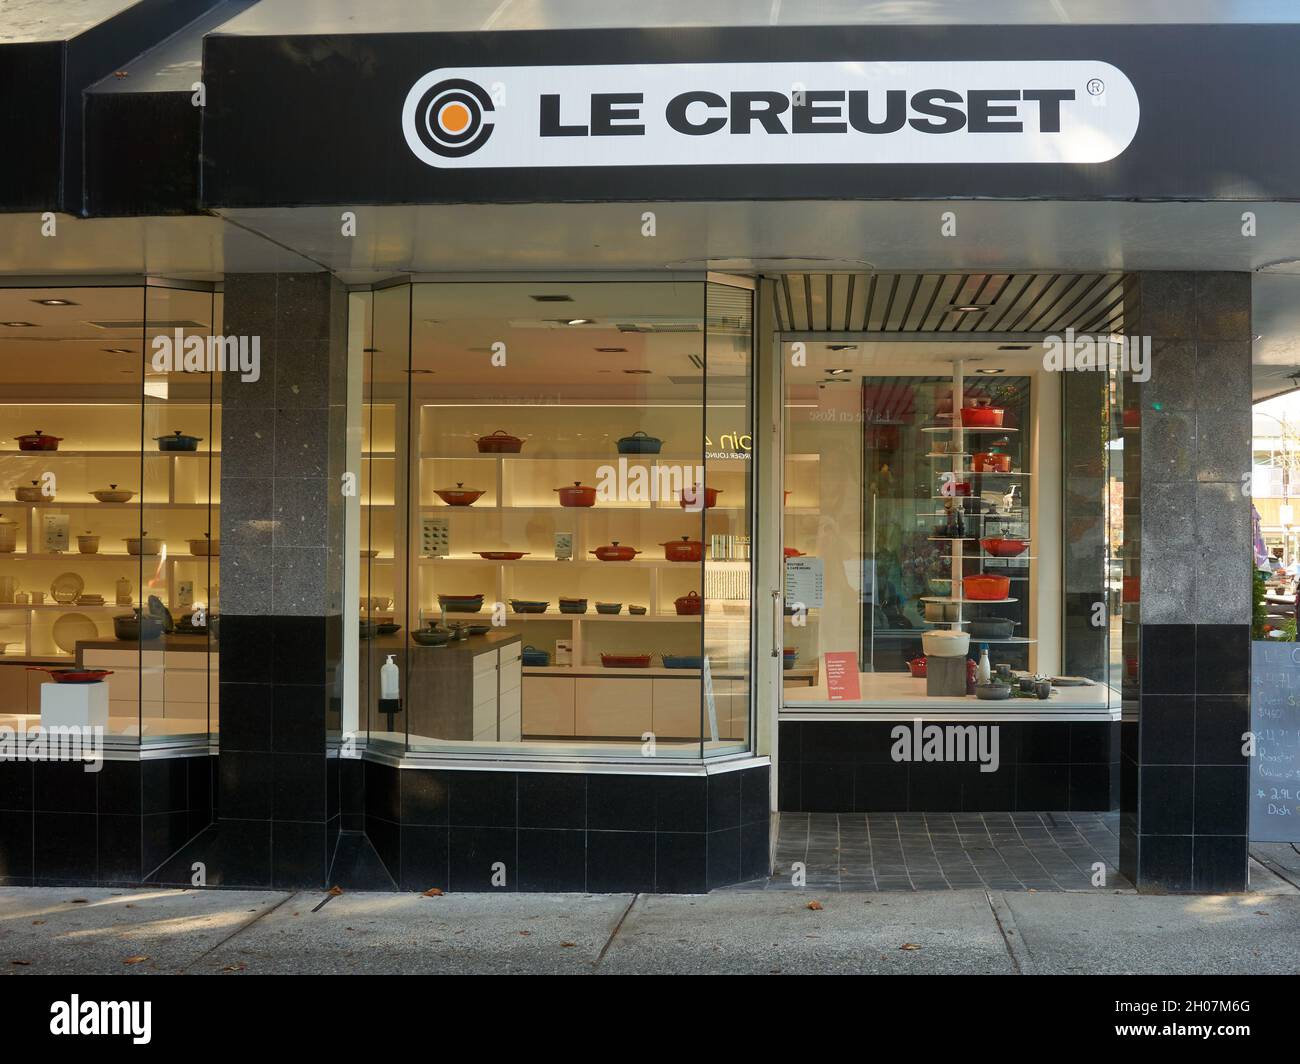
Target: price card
{"points": [[804, 582]]}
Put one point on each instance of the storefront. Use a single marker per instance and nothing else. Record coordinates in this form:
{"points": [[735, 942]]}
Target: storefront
{"points": [[681, 424]]}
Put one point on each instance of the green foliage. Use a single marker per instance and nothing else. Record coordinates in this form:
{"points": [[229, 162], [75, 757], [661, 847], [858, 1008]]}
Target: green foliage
{"points": [[1259, 613]]}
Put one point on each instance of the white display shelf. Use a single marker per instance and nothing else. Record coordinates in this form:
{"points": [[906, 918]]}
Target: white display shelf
{"points": [[966, 428], [605, 508], [635, 563], [968, 602], [109, 454]]}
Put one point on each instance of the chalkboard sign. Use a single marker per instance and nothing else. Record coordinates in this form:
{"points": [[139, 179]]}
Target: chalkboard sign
{"points": [[1275, 722]]}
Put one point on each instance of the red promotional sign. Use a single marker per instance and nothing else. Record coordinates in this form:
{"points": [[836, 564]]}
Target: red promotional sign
{"points": [[842, 680]]}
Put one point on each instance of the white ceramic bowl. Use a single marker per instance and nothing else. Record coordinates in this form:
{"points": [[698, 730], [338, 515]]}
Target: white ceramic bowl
{"points": [[945, 644]]}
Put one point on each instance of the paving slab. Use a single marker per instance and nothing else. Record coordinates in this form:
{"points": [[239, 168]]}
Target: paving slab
{"points": [[412, 934], [1146, 934], [85, 930], [777, 933]]}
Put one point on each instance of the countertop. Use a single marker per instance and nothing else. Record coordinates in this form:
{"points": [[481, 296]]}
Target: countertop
{"points": [[898, 694], [474, 645], [170, 642]]}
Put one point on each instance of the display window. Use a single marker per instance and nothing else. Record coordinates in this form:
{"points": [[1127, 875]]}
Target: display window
{"points": [[554, 523], [950, 506], [109, 507]]}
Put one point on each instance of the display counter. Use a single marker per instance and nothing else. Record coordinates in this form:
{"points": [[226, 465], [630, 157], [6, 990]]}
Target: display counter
{"points": [[893, 695]]}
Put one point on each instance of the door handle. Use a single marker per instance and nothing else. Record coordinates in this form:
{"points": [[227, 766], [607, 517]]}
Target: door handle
{"points": [[777, 612]]}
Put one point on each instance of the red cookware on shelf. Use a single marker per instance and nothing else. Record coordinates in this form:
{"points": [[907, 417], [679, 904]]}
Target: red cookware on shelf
{"points": [[985, 586], [459, 495], [500, 442], [691, 497], [981, 415], [684, 550], [625, 661], [501, 555], [73, 675], [990, 462], [917, 667], [578, 495], [792, 552], [689, 605], [38, 441], [612, 552], [1003, 547]]}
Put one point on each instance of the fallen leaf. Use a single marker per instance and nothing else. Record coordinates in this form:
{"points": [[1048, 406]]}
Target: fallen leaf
{"points": [[335, 891], [815, 906], [432, 892], [233, 968], [23, 963], [136, 958], [36, 923], [80, 901], [567, 945], [525, 932], [1260, 912], [129, 906], [909, 946]]}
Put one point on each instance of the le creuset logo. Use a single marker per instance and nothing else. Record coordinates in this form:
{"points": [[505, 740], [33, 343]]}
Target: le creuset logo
{"points": [[674, 114]]}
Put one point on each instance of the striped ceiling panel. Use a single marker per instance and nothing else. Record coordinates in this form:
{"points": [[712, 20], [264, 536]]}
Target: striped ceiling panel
{"points": [[926, 302]]}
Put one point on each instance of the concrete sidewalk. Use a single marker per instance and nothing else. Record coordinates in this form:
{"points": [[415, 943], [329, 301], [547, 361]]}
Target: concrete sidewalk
{"points": [[78, 930]]}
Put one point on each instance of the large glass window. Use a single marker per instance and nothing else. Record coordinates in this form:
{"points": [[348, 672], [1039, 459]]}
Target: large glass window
{"points": [[109, 530], [555, 518]]}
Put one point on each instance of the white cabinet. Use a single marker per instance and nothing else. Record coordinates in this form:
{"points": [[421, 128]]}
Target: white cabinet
{"points": [[548, 705], [620, 706]]}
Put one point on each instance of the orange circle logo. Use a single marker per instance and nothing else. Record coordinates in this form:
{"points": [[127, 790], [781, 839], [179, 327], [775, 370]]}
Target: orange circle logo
{"points": [[454, 117]]}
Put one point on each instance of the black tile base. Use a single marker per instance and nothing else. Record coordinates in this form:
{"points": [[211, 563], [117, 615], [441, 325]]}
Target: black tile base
{"points": [[846, 766], [554, 831]]}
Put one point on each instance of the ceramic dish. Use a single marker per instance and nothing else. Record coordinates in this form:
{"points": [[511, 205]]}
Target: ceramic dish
{"points": [[66, 587], [71, 629]]}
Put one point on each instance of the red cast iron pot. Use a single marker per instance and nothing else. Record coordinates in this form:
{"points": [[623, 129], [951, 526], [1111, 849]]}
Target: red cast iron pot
{"points": [[690, 497], [625, 661], [917, 667], [690, 605], [1001, 547], [459, 495], [982, 416], [500, 442], [38, 441], [612, 552], [988, 462], [501, 555], [985, 586], [792, 552], [578, 495], [684, 550]]}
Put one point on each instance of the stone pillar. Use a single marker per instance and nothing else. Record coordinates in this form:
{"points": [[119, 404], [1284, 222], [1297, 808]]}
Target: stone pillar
{"points": [[282, 445], [1184, 799]]}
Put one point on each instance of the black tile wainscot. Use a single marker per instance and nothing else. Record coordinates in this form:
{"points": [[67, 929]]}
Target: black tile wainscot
{"points": [[557, 831], [60, 824], [846, 767]]}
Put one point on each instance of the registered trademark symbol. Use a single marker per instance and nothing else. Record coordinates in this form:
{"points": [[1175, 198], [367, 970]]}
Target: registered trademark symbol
{"points": [[1096, 87]]}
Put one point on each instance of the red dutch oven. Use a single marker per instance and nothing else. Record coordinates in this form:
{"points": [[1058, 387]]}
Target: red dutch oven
{"points": [[38, 441], [500, 442], [459, 495], [985, 586], [614, 553], [990, 462], [691, 496], [578, 495], [982, 416], [917, 667], [690, 605], [684, 550]]}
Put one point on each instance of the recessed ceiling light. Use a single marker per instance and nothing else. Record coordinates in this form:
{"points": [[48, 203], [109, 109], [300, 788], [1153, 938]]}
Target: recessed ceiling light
{"points": [[611, 350], [837, 372], [970, 308], [56, 302], [551, 299], [841, 347], [989, 371], [580, 321], [1013, 347], [18, 324]]}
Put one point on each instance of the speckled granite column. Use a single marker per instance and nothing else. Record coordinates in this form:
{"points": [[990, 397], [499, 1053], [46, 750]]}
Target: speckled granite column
{"points": [[282, 446], [1184, 798]]}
